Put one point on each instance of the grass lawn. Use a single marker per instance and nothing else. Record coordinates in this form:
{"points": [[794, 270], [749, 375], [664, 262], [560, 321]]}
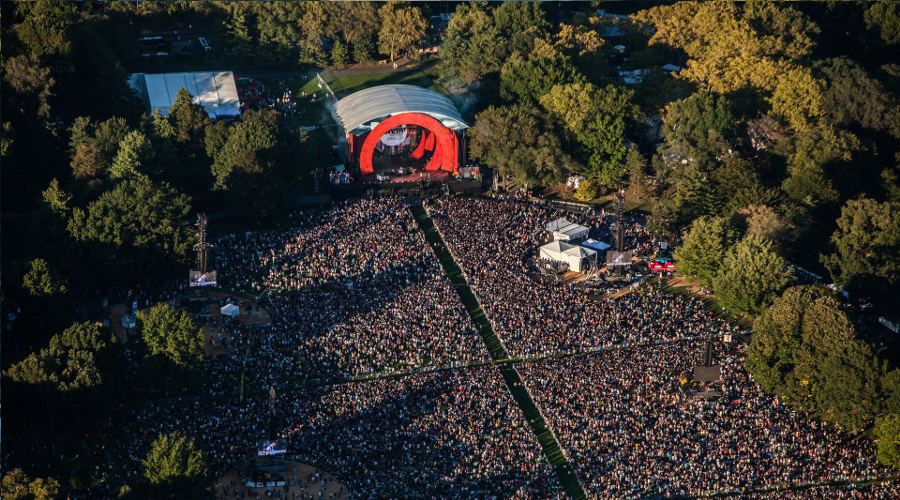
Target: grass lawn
{"points": [[344, 85]]}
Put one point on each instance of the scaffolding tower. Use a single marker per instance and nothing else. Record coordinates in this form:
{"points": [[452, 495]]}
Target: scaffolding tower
{"points": [[202, 246]]}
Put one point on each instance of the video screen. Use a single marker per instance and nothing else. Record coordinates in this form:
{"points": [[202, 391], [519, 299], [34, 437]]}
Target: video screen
{"points": [[200, 279], [614, 258], [270, 447]]}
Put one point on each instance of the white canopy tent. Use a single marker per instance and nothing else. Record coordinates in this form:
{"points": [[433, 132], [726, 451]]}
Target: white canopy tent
{"points": [[230, 310], [579, 259], [214, 90], [563, 230]]}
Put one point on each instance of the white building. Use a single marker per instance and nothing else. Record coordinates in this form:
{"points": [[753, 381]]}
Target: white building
{"points": [[214, 90], [579, 259], [563, 230]]}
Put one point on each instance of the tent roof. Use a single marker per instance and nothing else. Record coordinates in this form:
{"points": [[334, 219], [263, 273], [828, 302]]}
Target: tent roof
{"points": [[228, 307], [558, 223], [358, 110], [580, 252], [214, 90], [557, 246]]}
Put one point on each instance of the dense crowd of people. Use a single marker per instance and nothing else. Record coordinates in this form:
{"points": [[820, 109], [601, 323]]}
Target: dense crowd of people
{"points": [[450, 434], [490, 240], [352, 291], [356, 290], [634, 431]]}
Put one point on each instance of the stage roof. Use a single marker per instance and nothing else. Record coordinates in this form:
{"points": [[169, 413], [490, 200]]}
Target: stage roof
{"points": [[361, 111], [214, 90]]}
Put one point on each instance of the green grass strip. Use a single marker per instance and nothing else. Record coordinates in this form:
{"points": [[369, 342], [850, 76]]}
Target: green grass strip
{"points": [[550, 445]]}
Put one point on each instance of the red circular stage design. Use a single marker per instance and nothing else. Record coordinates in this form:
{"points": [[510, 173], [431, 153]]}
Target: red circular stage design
{"points": [[446, 146]]}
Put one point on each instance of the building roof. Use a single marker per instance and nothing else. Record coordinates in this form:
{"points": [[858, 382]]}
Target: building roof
{"points": [[363, 110], [214, 90]]}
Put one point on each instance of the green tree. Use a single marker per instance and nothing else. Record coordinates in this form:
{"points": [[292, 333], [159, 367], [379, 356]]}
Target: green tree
{"points": [[603, 138], [820, 161], [31, 81], [867, 243], [518, 142], [188, 119], [751, 275], [354, 20], [887, 428], [42, 281], [884, 17], [134, 153], [138, 223], [56, 199], [588, 190], [363, 50], [108, 135], [571, 104], [797, 98], [853, 97], [695, 196], [402, 28], [704, 248], [77, 372], [173, 333], [240, 38], [527, 81], [636, 165], [18, 486], [472, 47], [699, 129], [176, 468], [661, 222], [805, 349], [339, 55]]}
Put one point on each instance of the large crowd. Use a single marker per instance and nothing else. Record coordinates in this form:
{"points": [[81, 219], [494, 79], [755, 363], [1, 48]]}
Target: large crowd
{"points": [[490, 240], [634, 431], [356, 290], [451, 434], [352, 291]]}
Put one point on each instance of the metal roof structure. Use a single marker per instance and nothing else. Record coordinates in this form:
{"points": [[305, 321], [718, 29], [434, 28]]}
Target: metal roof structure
{"points": [[361, 111], [214, 90]]}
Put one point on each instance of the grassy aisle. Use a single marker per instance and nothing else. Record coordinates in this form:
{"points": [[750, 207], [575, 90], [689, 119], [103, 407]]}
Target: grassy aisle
{"points": [[551, 448]]}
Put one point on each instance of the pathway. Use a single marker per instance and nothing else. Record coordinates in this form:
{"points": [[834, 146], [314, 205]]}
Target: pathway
{"points": [[549, 443]]}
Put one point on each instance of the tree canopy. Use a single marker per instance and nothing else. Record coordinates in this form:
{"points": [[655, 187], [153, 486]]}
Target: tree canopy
{"points": [[704, 246], [805, 349], [173, 333], [176, 468], [751, 276], [866, 245]]}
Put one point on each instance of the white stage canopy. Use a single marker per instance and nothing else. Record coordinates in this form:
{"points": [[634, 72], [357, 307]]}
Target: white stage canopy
{"points": [[230, 310], [579, 259], [214, 90], [563, 230]]}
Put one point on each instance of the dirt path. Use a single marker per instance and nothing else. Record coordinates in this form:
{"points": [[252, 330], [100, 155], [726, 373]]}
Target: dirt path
{"points": [[302, 474]]}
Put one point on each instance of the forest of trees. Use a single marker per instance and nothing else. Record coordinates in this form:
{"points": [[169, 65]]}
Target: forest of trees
{"points": [[778, 144]]}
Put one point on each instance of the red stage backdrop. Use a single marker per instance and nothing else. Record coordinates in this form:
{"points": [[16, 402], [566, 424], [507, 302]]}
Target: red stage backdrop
{"points": [[446, 145]]}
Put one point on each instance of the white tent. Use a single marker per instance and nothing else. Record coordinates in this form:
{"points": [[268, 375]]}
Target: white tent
{"points": [[578, 259], [563, 230], [230, 310], [214, 90]]}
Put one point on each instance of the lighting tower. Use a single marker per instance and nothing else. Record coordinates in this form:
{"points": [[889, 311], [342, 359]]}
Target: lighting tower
{"points": [[202, 246], [620, 228]]}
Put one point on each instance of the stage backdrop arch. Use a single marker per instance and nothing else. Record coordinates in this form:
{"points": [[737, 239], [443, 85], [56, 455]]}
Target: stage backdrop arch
{"points": [[446, 149]]}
